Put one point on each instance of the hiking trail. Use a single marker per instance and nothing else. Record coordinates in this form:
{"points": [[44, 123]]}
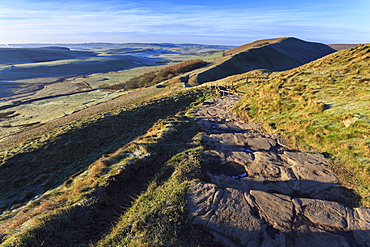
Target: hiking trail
{"points": [[260, 192]]}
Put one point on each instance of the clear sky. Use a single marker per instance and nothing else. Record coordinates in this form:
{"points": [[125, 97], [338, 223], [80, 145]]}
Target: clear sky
{"points": [[227, 22]]}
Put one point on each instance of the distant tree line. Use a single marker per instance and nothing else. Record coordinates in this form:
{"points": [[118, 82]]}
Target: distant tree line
{"points": [[154, 77]]}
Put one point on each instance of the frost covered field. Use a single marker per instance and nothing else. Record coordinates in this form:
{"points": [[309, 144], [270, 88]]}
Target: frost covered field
{"points": [[40, 84]]}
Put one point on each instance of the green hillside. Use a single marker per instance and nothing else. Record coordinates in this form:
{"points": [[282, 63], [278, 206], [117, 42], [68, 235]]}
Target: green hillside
{"points": [[322, 106], [64, 184], [273, 54], [118, 176]]}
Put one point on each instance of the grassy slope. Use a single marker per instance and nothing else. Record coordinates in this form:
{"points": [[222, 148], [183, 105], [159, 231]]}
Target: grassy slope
{"points": [[131, 193], [67, 67], [322, 106], [79, 191], [31, 114]]}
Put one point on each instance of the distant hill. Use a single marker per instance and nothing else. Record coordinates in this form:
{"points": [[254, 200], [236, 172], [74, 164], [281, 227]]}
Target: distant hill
{"points": [[98, 47], [339, 47], [272, 54], [36, 55], [26, 63], [254, 44]]}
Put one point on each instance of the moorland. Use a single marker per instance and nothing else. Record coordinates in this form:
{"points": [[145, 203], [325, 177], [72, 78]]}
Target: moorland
{"points": [[106, 158]]}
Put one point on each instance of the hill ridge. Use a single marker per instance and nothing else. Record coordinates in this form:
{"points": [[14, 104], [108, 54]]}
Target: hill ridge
{"points": [[269, 195], [274, 55]]}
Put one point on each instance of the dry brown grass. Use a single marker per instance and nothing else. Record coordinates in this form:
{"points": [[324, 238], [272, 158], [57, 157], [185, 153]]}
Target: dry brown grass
{"points": [[26, 213], [154, 77], [127, 166], [255, 44]]}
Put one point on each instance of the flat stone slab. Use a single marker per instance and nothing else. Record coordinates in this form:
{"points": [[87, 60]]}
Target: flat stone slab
{"points": [[224, 212], [361, 226], [268, 219], [262, 193], [261, 143], [276, 209], [325, 213]]}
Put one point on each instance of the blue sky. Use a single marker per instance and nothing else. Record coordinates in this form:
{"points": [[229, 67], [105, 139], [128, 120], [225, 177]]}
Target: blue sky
{"points": [[225, 22]]}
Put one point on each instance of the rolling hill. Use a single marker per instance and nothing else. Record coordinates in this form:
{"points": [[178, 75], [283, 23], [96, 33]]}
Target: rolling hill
{"points": [[37, 55], [26, 63], [321, 106], [271, 54], [119, 174]]}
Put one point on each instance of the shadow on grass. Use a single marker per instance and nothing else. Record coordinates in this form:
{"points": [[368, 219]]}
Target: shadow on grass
{"points": [[27, 175], [20, 102], [86, 225]]}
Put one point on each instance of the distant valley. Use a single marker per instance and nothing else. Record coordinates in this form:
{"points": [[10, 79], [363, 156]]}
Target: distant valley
{"points": [[62, 80], [264, 144]]}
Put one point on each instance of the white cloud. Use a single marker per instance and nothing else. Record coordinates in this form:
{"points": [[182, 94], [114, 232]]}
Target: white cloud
{"points": [[117, 22]]}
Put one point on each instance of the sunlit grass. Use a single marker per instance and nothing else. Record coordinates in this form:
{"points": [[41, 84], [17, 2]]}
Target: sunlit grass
{"points": [[322, 107], [53, 212]]}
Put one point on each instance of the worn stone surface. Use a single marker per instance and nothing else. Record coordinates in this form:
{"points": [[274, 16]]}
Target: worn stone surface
{"points": [[259, 192], [361, 226], [225, 212], [310, 236], [327, 213], [276, 209]]}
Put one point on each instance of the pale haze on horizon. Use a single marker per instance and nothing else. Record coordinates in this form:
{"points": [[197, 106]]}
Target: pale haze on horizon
{"points": [[188, 21]]}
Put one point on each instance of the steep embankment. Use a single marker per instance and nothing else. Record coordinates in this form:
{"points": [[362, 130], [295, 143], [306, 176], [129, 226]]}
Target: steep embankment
{"points": [[272, 54]]}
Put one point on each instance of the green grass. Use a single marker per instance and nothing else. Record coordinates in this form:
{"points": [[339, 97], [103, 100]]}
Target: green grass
{"points": [[85, 184], [158, 217], [119, 177], [323, 107]]}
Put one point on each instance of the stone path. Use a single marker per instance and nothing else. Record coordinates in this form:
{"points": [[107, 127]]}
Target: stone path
{"points": [[262, 193]]}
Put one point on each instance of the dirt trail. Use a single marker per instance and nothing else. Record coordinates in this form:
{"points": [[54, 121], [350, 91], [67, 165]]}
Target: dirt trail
{"points": [[262, 193]]}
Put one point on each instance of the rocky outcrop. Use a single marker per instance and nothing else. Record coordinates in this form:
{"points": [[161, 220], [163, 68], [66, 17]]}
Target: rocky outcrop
{"points": [[274, 55], [262, 193]]}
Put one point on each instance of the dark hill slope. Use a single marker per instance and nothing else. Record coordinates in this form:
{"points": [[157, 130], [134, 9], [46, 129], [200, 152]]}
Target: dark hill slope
{"points": [[254, 44], [36, 55], [273, 54]]}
